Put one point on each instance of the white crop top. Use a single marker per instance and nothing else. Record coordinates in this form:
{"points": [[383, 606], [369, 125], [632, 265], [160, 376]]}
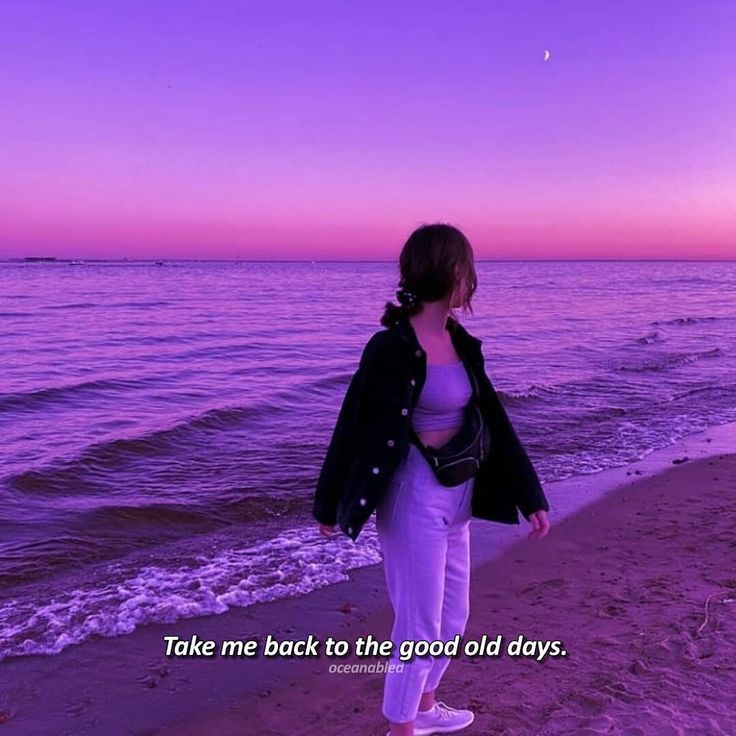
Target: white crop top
{"points": [[445, 393]]}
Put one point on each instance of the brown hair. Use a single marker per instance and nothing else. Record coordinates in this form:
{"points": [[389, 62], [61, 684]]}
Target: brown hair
{"points": [[434, 260]]}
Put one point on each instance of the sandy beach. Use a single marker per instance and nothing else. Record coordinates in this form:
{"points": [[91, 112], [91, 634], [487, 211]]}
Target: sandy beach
{"points": [[639, 587]]}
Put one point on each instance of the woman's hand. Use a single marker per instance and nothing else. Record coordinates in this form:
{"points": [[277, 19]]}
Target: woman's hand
{"points": [[326, 531], [540, 524]]}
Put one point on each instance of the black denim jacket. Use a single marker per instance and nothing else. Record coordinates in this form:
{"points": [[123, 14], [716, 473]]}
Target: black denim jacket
{"points": [[371, 435]]}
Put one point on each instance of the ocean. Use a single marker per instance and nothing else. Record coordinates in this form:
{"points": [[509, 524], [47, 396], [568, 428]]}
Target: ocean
{"points": [[163, 425]]}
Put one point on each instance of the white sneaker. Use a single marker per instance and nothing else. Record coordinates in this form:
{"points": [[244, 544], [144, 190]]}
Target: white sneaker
{"points": [[441, 718]]}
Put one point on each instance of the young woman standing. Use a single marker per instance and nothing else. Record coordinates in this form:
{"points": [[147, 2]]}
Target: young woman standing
{"points": [[423, 525]]}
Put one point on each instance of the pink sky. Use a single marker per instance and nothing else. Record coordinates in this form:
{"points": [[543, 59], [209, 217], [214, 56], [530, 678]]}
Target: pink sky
{"points": [[331, 130]]}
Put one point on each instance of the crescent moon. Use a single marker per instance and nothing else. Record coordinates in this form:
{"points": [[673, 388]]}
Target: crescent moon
{"points": [[547, 54]]}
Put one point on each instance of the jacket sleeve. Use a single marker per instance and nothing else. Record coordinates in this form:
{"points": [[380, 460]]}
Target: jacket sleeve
{"points": [[518, 472], [344, 441]]}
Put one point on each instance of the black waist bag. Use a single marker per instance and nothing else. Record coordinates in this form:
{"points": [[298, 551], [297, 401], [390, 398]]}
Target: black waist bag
{"points": [[460, 458]]}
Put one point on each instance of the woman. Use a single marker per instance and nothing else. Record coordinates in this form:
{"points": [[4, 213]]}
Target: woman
{"points": [[423, 525]]}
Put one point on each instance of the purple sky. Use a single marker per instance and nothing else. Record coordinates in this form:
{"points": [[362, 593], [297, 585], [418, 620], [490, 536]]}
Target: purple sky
{"points": [[332, 129]]}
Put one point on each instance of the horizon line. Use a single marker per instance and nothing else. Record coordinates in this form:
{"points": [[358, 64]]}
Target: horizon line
{"points": [[81, 261]]}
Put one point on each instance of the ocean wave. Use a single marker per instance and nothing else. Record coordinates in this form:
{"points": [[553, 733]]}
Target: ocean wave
{"points": [[684, 321], [122, 596], [666, 362], [22, 400], [526, 393], [650, 339]]}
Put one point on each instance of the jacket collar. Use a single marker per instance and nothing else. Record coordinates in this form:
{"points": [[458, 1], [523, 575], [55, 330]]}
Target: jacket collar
{"points": [[461, 338]]}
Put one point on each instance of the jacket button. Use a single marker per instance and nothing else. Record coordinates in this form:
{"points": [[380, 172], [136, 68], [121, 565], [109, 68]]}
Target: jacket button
{"points": [[375, 471], [390, 443], [350, 530], [418, 353], [413, 382], [404, 411], [362, 502]]}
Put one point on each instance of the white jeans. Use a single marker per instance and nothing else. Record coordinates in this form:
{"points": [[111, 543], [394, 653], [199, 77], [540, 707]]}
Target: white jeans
{"points": [[424, 532]]}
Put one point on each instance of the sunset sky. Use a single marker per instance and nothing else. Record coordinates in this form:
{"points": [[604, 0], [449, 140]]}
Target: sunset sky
{"points": [[332, 129]]}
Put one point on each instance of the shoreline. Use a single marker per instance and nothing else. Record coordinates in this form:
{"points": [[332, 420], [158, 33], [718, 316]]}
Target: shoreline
{"points": [[126, 685], [649, 637]]}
